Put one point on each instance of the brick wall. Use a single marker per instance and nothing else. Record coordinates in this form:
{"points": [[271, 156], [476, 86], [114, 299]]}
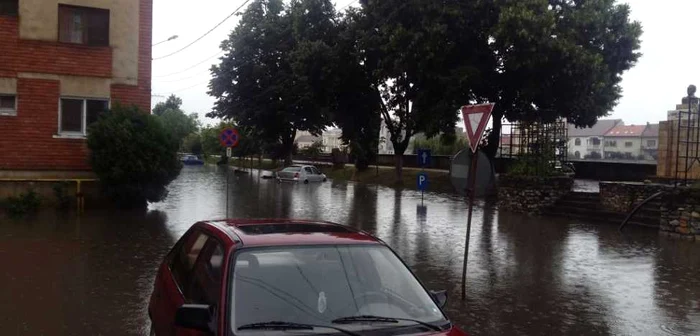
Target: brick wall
{"points": [[27, 142], [49, 57], [140, 95]]}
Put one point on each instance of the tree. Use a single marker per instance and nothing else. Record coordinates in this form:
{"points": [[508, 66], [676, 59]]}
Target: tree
{"points": [[355, 104], [192, 144], [172, 103], [541, 60], [442, 145], [272, 57], [407, 53], [133, 155], [179, 124]]}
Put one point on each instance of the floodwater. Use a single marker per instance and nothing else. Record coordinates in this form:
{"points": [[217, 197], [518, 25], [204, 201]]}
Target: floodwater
{"points": [[92, 275]]}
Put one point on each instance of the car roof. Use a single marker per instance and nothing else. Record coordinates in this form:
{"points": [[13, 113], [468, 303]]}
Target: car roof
{"points": [[293, 232]]}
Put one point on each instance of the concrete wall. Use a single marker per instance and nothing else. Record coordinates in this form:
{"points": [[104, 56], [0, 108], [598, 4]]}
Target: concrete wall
{"points": [[40, 22]]}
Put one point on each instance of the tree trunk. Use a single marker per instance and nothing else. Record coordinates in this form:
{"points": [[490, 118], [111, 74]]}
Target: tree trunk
{"points": [[399, 150], [494, 138], [398, 165]]}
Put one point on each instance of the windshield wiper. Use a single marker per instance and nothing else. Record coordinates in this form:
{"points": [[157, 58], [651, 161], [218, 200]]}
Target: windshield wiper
{"points": [[372, 318], [280, 325]]}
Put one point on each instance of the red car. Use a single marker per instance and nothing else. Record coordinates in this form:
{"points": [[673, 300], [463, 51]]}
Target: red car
{"points": [[267, 277]]}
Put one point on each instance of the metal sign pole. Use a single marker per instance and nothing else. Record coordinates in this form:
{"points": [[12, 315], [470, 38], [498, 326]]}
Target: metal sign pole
{"points": [[470, 191], [228, 168]]}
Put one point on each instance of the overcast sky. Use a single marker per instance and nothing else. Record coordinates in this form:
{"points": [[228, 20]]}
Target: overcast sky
{"points": [[658, 82]]}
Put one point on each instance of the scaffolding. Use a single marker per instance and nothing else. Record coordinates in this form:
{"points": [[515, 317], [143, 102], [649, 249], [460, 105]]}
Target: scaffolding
{"points": [[547, 141], [687, 142]]}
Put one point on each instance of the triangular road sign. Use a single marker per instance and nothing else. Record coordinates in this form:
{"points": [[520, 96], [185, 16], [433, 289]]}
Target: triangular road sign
{"points": [[475, 119]]}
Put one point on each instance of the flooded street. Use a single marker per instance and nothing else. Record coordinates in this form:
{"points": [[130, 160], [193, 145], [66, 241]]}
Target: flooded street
{"points": [[92, 275]]}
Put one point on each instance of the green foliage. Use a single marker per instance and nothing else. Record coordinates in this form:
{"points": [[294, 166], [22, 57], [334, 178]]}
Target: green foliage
{"points": [[532, 165], [273, 58], [312, 151], [179, 124], [553, 59], [22, 204], [172, 103], [192, 144], [60, 190], [439, 145], [134, 156]]}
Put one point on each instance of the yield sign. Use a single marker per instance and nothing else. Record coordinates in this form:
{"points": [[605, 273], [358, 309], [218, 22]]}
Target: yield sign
{"points": [[475, 119]]}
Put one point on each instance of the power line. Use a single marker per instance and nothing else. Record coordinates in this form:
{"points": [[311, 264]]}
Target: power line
{"points": [[205, 34], [184, 70], [183, 89]]}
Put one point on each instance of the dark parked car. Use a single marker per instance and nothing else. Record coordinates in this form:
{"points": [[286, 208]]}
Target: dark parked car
{"points": [[265, 277]]}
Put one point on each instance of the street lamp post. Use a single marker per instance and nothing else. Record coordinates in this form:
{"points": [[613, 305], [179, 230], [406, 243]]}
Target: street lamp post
{"points": [[169, 39]]}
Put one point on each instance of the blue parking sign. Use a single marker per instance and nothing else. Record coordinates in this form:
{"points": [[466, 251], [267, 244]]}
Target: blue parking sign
{"points": [[422, 181]]}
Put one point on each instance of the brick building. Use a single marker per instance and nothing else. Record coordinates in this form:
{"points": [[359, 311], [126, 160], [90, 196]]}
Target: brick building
{"points": [[62, 63]]}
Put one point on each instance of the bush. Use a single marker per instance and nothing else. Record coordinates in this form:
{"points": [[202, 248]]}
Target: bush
{"points": [[134, 156], [22, 204]]}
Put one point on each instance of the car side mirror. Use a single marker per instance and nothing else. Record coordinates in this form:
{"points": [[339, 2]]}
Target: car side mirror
{"points": [[440, 297], [194, 316]]}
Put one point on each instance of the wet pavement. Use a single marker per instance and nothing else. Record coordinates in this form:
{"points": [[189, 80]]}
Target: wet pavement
{"points": [[92, 275]]}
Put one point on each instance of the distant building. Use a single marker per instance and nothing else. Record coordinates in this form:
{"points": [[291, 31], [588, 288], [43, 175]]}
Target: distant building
{"points": [[650, 142], [624, 142], [386, 147], [331, 140], [305, 140], [587, 143]]}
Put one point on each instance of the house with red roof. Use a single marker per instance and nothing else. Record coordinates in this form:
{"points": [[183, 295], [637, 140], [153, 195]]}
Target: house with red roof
{"points": [[624, 142]]}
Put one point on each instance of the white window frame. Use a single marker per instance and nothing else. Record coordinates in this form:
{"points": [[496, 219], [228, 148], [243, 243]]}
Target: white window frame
{"points": [[9, 112], [83, 127]]}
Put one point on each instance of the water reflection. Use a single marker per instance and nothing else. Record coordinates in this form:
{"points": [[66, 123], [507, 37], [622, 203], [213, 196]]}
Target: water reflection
{"points": [[68, 275]]}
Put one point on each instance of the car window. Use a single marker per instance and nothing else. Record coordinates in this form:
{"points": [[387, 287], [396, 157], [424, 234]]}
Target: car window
{"points": [[185, 257], [206, 283], [316, 171], [308, 170], [292, 169], [319, 284]]}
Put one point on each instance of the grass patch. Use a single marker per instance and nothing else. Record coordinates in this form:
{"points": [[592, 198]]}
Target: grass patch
{"points": [[265, 164], [438, 181], [22, 204]]}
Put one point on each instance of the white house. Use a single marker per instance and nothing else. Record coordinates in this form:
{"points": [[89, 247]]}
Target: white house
{"points": [[587, 143], [624, 142]]}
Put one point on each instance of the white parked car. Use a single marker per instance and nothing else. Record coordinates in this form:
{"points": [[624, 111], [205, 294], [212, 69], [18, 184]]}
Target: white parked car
{"points": [[304, 174]]}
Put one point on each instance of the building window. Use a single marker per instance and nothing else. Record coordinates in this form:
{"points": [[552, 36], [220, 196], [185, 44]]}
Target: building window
{"points": [[651, 143], [9, 7], [76, 114], [577, 154], [8, 105], [611, 143], [83, 25], [577, 142], [628, 144], [595, 141]]}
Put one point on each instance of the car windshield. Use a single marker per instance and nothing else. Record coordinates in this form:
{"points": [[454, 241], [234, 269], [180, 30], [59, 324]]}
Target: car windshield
{"points": [[316, 285], [292, 169]]}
